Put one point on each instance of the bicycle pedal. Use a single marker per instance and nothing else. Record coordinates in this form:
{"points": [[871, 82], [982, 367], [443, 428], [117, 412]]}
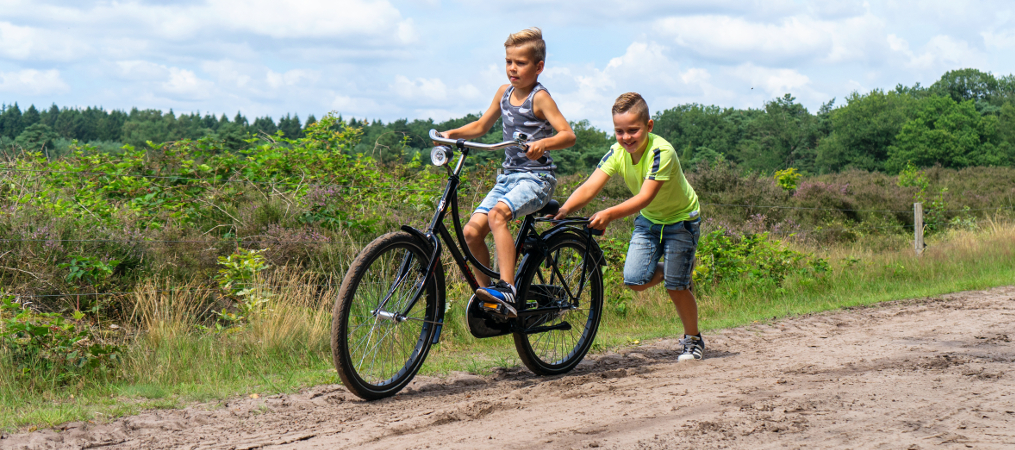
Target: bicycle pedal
{"points": [[491, 306]]}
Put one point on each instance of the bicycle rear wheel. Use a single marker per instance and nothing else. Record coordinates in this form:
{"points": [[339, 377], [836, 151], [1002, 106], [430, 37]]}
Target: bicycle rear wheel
{"points": [[376, 350], [557, 282]]}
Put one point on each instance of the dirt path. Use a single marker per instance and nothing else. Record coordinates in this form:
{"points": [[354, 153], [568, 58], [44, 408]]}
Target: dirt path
{"points": [[920, 374]]}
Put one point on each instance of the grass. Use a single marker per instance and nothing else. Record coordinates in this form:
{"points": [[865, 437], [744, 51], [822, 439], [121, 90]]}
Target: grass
{"points": [[171, 361]]}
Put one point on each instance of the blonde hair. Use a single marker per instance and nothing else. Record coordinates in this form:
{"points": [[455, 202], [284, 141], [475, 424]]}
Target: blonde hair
{"points": [[530, 37], [632, 102]]}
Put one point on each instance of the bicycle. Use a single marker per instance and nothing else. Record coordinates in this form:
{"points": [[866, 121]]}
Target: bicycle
{"points": [[390, 307]]}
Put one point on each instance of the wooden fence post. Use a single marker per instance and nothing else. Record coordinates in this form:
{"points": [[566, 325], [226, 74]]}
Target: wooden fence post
{"points": [[918, 227]]}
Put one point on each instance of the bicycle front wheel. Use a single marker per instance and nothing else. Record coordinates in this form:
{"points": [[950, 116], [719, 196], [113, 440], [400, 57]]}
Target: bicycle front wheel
{"points": [[378, 343], [565, 333]]}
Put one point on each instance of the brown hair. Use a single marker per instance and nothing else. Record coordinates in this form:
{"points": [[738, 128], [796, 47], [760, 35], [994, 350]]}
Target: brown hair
{"points": [[632, 102], [530, 37]]}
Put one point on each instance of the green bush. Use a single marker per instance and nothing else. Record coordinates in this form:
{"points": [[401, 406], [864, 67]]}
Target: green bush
{"points": [[51, 345], [763, 261]]}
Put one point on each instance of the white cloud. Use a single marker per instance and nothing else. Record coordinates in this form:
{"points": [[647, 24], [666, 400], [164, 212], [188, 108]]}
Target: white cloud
{"points": [[775, 82], [184, 83], [940, 53], [730, 39], [350, 106], [32, 81], [430, 90], [1002, 40], [229, 72], [27, 43], [293, 77], [363, 19], [139, 70]]}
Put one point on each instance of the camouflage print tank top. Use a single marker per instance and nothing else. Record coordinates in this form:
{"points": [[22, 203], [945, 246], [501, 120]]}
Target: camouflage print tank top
{"points": [[522, 118]]}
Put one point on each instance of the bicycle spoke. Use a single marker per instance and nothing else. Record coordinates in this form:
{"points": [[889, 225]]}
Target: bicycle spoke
{"points": [[564, 272], [380, 348]]}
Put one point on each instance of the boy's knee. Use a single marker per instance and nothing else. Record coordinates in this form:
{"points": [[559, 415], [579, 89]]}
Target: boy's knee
{"points": [[637, 287], [500, 215], [474, 232]]}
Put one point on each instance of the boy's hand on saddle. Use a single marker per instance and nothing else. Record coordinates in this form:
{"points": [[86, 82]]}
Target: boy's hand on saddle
{"points": [[600, 220], [536, 150]]}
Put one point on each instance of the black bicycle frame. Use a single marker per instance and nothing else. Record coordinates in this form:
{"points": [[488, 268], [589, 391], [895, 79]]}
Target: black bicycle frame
{"points": [[437, 231]]}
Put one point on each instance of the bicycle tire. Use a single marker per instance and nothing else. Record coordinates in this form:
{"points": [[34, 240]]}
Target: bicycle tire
{"points": [[559, 351], [377, 368]]}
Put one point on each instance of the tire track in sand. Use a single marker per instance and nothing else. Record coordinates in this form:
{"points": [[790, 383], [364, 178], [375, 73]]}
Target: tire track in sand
{"points": [[914, 374]]}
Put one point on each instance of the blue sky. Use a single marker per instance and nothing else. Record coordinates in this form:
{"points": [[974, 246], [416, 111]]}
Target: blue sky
{"points": [[439, 59]]}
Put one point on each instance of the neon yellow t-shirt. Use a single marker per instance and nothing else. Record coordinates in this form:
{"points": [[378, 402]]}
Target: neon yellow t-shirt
{"points": [[676, 200]]}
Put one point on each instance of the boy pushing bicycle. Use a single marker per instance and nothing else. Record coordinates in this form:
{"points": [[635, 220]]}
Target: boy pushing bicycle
{"points": [[528, 181], [667, 226]]}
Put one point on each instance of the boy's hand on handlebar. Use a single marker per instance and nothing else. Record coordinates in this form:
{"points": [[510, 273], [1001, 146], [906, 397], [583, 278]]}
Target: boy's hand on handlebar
{"points": [[442, 134], [535, 150]]}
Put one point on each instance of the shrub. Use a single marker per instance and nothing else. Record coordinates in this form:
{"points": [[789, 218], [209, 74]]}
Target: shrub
{"points": [[50, 344], [723, 256], [787, 179]]}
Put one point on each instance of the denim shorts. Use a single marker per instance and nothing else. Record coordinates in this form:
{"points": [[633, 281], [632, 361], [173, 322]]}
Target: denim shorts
{"points": [[676, 243], [523, 192]]}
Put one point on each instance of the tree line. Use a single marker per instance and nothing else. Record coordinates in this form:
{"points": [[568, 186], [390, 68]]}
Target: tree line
{"points": [[966, 118], [33, 129]]}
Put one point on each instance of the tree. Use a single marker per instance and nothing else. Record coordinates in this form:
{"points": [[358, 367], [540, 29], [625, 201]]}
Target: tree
{"points": [[30, 117], [948, 133], [862, 131], [967, 84], [264, 125], [692, 126], [37, 137], [10, 121], [785, 136]]}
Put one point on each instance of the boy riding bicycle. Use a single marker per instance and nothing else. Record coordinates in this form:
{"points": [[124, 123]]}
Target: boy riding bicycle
{"points": [[667, 225], [528, 180]]}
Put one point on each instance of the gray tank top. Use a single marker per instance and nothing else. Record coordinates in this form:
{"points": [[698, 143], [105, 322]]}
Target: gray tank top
{"points": [[522, 118]]}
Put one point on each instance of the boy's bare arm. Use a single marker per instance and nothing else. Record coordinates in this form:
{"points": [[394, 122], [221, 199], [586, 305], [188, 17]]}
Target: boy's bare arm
{"points": [[480, 127], [649, 190], [545, 108], [584, 194]]}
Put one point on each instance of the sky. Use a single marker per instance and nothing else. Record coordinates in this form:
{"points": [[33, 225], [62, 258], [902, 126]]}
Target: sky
{"points": [[390, 59]]}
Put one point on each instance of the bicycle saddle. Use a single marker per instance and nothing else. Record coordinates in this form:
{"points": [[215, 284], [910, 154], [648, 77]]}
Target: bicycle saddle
{"points": [[551, 208]]}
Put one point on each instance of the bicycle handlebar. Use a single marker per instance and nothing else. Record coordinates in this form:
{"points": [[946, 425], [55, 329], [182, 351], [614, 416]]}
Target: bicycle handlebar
{"points": [[520, 140]]}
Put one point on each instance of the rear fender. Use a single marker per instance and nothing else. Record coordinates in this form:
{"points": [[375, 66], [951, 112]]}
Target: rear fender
{"points": [[595, 252]]}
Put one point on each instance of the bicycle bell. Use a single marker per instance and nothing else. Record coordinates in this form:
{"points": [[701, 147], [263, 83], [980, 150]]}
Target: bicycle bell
{"points": [[440, 155]]}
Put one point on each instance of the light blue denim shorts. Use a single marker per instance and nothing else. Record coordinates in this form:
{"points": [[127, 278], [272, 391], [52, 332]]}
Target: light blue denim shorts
{"points": [[523, 192], [675, 243]]}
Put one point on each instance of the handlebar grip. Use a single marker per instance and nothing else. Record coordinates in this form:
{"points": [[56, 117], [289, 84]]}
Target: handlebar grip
{"points": [[595, 232]]}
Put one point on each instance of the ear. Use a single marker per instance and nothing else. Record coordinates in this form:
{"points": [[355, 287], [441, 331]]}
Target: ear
{"points": [[539, 67], [651, 123]]}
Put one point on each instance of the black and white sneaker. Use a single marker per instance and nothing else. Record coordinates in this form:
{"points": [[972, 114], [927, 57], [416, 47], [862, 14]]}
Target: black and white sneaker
{"points": [[499, 297], [694, 348]]}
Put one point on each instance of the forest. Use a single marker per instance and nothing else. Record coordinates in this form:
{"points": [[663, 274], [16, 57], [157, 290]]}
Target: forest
{"points": [[965, 119]]}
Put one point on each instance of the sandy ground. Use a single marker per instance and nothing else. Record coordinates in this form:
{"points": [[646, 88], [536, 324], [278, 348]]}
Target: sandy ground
{"points": [[916, 374]]}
